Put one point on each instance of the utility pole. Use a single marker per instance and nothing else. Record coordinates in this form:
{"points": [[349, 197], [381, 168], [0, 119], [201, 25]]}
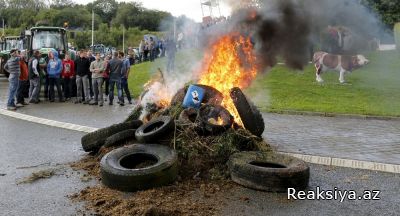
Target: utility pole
{"points": [[123, 38], [3, 27], [92, 27]]}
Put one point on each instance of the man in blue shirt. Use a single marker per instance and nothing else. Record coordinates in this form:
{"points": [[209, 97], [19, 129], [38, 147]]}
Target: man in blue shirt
{"points": [[125, 74]]}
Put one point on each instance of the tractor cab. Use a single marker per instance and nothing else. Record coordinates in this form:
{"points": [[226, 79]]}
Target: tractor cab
{"points": [[46, 39]]}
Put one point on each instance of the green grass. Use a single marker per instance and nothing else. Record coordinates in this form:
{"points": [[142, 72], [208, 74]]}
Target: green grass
{"points": [[141, 73], [372, 90]]}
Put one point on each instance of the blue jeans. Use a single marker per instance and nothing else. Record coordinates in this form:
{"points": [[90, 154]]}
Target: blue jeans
{"points": [[125, 88], [12, 89], [119, 90]]}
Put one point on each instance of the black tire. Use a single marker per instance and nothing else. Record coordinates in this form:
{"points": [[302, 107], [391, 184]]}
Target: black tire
{"points": [[179, 96], [119, 168], [155, 129], [135, 114], [211, 95], [117, 138], [215, 112], [188, 116], [268, 171], [93, 141], [249, 114]]}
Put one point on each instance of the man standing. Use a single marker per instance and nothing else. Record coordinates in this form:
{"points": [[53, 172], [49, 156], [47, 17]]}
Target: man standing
{"points": [[97, 69], [54, 69], [152, 46], [91, 59], [34, 78], [12, 67], [67, 75], [116, 67], [106, 76], [23, 82], [82, 65], [124, 80]]}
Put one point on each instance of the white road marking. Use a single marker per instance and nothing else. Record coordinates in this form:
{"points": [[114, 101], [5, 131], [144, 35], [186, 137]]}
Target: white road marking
{"points": [[47, 122], [329, 161]]}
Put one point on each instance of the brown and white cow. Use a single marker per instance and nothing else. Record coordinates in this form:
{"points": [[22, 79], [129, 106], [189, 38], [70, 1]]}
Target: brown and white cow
{"points": [[343, 63]]}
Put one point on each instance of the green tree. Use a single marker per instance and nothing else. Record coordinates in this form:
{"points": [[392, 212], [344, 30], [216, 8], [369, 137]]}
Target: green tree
{"points": [[75, 16], [106, 9], [388, 10]]}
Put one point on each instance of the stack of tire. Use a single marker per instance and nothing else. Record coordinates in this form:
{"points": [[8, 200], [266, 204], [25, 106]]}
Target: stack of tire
{"points": [[135, 166], [147, 165]]}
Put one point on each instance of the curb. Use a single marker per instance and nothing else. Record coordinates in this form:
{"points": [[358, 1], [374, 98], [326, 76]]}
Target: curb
{"points": [[348, 163], [335, 115]]}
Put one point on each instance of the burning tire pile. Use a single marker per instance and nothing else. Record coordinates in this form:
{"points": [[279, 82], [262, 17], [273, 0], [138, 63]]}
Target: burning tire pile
{"points": [[194, 141], [203, 133]]}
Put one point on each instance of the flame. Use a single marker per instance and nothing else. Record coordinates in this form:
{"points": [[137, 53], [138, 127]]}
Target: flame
{"points": [[218, 121], [230, 63]]}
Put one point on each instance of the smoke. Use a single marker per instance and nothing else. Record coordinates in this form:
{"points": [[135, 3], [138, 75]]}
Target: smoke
{"points": [[287, 30], [290, 29]]}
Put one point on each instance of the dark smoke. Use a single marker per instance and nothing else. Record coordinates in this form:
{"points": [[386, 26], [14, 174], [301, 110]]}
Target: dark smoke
{"points": [[290, 29], [283, 31]]}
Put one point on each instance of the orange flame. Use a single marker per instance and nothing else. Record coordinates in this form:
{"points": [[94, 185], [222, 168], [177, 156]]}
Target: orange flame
{"points": [[218, 121], [230, 63]]}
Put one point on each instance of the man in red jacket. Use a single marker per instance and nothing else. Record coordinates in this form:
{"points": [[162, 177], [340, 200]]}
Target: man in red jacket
{"points": [[23, 82], [67, 75]]}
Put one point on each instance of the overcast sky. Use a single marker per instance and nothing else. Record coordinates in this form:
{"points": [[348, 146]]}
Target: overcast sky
{"points": [[190, 8]]}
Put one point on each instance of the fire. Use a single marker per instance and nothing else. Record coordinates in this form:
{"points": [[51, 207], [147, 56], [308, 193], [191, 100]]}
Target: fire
{"points": [[218, 121], [230, 63]]}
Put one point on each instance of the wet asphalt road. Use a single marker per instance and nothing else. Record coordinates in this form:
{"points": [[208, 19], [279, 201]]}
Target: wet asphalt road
{"points": [[25, 144], [327, 178]]}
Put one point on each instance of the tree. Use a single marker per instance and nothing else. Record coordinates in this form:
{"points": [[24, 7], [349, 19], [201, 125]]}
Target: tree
{"points": [[60, 4], [388, 10], [75, 16], [47, 14], [106, 9]]}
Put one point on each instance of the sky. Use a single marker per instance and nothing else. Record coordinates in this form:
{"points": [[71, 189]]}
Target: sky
{"points": [[190, 8]]}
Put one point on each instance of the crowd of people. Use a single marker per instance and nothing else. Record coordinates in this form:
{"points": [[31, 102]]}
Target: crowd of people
{"points": [[81, 76]]}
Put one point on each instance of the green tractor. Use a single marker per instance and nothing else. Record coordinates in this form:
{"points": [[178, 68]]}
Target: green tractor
{"points": [[45, 39], [40, 38], [6, 45]]}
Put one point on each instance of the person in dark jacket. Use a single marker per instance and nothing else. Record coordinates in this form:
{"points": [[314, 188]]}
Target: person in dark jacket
{"points": [[54, 69], [125, 76], [82, 65], [116, 68], [34, 78]]}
